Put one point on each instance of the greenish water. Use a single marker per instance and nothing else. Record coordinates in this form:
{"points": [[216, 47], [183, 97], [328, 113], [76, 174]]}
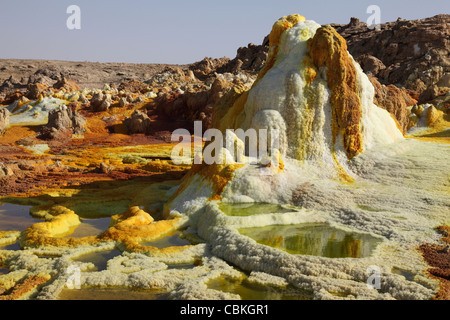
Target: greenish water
{"points": [[111, 294], [314, 239], [99, 258], [369, 208], [172, 240], [90, 227], [251, 291], [100, 209], [14, 217], [249, 209], [184, 265]]}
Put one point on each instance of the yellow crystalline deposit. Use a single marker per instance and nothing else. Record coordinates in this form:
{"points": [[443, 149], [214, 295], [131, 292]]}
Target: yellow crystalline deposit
{"points": [[8, 237], [45, 233], [134, 216]]}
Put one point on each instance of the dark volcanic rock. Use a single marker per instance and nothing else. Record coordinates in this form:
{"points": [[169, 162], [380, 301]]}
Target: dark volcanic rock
{"points": [[416, 53], [205, 68], [370, 64], [250, 59], [432, 92], [193, 104]]}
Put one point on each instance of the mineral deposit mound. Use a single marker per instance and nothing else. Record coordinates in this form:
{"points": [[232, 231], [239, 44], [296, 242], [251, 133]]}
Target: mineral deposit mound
{"points": [[346, 198]]}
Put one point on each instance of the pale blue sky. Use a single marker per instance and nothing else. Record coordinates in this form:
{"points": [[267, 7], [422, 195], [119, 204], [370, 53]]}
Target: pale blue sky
{"points": [[170, 31]]}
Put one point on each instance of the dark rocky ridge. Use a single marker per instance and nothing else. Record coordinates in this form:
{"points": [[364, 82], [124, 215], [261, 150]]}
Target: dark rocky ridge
{"points": [[413, 53]]}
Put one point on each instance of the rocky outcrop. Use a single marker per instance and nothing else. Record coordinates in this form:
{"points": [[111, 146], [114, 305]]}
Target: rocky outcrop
{"points": [[139, 122], [62, 121], [415, 53], [250, 59], [100, 102], [11, 84], [6, 171], [396, 101], [67, 85], [194, 104], [34, 90], [4, 119], [134, 86], [123, 102], [172, 78], [205, 68], [433, 92], [11, 97], [370, 64]]}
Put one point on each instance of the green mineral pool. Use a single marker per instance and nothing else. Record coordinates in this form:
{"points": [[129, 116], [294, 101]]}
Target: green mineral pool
{"points": [[314, 239], [252, 291], [249, 209], [99, 258], [172, 240]]}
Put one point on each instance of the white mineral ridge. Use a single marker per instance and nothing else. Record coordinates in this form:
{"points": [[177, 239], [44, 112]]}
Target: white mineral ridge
{"points": [[34, 113], [280, 99]]}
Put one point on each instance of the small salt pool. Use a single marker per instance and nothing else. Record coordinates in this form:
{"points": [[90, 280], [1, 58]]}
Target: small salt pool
{"points": [[251, 291], [314, 239], [90, 227], [172, 240], [99, 258], [249, 209]]}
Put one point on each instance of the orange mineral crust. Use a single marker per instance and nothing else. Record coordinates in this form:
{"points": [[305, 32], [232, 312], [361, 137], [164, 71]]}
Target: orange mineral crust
{"points": [[329, 50], [25, 287], [438, 257]]}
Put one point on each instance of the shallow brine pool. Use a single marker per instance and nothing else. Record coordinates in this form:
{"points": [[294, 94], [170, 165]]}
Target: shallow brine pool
{"points": [[15, 217], [314, 239]]}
